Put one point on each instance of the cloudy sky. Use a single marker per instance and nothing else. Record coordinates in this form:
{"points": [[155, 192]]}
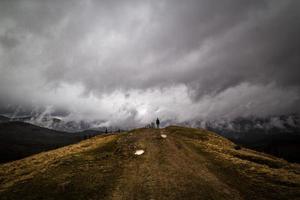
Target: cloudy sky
{"points": [[130, 61]]}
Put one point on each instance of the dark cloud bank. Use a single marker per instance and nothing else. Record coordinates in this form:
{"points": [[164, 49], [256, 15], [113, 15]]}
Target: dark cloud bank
{"points": [[126, 62]]}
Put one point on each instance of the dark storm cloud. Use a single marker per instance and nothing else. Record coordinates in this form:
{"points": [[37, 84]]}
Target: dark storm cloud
{"points": [[8, 41], [64, 53], [262, 50]]}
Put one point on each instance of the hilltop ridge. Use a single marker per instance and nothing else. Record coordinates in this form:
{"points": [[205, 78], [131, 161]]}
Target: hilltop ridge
{"points": [[187, 164]]}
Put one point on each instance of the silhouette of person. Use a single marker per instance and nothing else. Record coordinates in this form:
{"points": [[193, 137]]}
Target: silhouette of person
{"points": [[157, 123]]}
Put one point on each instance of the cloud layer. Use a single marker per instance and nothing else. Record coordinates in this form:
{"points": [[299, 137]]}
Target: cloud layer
{"points": [[126, 62]]}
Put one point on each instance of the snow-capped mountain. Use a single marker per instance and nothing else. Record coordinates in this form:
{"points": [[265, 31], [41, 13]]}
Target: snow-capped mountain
{"points": [[250, 126]]}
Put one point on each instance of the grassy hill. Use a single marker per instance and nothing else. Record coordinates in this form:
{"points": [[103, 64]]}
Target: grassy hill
{"points": [[19, 139], [188, 164]]}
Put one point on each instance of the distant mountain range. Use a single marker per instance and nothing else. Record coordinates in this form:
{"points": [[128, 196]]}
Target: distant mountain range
{"points": [[277, 135], [252, 127], [59, 124]]}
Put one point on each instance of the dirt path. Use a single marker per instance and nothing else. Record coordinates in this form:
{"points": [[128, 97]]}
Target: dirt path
{"points": [[167, 170]]}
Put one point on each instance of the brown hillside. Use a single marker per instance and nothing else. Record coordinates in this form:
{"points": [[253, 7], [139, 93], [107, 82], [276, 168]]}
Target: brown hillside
{"points": [[188, 164]]}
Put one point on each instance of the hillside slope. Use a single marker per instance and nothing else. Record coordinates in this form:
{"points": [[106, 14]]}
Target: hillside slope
{"points": [[19, 139], [188, 164]]}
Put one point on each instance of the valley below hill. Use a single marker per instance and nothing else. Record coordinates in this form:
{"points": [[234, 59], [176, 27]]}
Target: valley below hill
{"points": [[20, 139]]}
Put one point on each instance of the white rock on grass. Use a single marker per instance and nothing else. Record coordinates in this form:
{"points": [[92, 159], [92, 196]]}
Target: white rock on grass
{"points": [[163, 136], [139, 152]]}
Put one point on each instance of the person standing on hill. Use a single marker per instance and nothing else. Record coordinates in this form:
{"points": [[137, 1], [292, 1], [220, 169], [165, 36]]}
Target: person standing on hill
{"points": [[157, 123]]}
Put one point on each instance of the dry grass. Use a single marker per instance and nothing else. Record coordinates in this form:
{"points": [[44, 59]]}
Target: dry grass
{"points": [[188, 164], [256, 175], [21, 170]]}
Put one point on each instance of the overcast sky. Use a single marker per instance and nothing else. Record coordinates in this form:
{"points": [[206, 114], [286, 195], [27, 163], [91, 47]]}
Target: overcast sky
{"points": [[128, 62]]}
